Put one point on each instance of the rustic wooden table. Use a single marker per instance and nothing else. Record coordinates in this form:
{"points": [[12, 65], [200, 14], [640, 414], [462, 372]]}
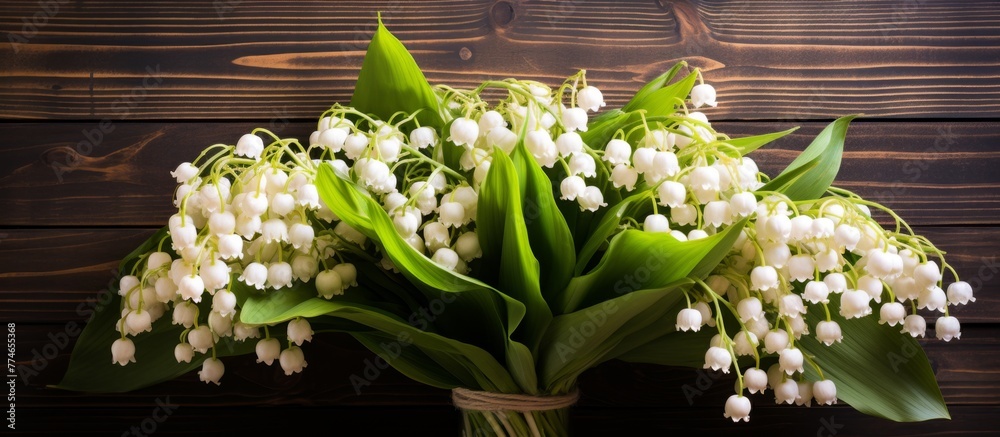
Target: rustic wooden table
{"points": [[100, 99]]}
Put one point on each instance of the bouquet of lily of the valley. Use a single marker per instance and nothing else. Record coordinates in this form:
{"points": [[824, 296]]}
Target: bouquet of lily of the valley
{"points": [[502, 248]]}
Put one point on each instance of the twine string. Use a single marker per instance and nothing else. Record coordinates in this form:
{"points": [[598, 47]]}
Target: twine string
{"points": [[473, 400]]}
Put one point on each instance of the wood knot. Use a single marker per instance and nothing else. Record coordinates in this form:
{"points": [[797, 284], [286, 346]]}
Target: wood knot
{"points": [[465, 53], [502, 14]]}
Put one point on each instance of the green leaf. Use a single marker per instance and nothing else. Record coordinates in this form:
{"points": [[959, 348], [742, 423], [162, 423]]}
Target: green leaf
{"points": [[659, 260], [550, 238], [683, 349], [390, 81], [665, 101], [826, 151], [486, 372], [607, 226], [877, 370], [653, 86], [746, 145], [478, 313], [789, 178]]}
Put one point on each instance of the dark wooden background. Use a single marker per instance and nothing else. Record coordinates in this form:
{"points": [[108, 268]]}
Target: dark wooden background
{"points": [[926, 74]]}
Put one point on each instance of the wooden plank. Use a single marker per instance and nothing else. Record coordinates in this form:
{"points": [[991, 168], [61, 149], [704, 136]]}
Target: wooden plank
{"points": [[73, 175], [966, 371], [769, 59], [446, 421]]}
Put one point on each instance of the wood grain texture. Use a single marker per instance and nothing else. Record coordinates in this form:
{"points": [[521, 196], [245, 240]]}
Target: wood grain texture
{"points": [[237, 59], [51, 273], [939, 173]]}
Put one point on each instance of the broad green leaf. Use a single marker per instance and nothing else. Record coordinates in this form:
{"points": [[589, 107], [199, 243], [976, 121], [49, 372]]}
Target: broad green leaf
{"points": [[607, 226], [486, 371], [746, 145], [826, 151], [683, 349], [657, 260], [411, 361], [550, 237], [478, 314], [582, 339], [653, 86], [665, 101], [789, 178], [390, 81], [91, 369], [877, 370]]}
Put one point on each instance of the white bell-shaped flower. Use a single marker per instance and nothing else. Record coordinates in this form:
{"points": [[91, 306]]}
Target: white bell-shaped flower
{"points": [[575, 119], [755, 380], [250, 146], [590, 98], [790, 305], [947, 328], [801, 228], [671, 193], [301, 236], [847, 236], [696, 234], [763, 278], [350, 234], [491, 120], [591, 199], [624, 176], [743, 204], [855, 304], [243, 331], [706, 313], [464, 131], [222, 223], [892, 313], [127, 284], [801, 267], [292, 360], [745, 343], [389, 148], [718, 213], [255, 275], [872, 286], [960, 293], [703, 94], [248, 225], [816, 292], [304, 267], [191, 288], [137, 322], [220, 325], [211, 371], [688, 319], [829, 332], [268, 350], [582, 163], [915, 325], [467, 246], [828, 260], [776, 341], [224, 302], [541, 146], [274, 231], [684, 214], [786, 392], [825, 392], [717, 358], [738, 408], [183, 353], [446, 258], [927, 274], [452, 214], [656, 223], [329, 284], [933, 299], [424, 136], [436, 236], [750, 309], [642, 159], [836, 282], [617, 152], [569, 143], [184, 172], [214, 275], [201, 338], [664, 165], [355, 145], [165, 289], [790, 360], [805, 393], [282, 204], [299, 331], [348, 273], [279, 275], [184, 314], [123, 351], [505, 139]]}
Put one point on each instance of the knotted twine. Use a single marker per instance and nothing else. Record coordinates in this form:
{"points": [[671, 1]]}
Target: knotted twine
{"points": [[483, 401]]}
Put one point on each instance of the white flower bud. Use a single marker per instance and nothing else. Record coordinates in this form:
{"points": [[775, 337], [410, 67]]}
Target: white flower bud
{"points": [[464, 131], [706, 313], [688, 319], [467, 246], [299, 331], [829, 332], [718, 358], [805, 393], [211, 371], [617, 152], [696, 234], [292, 360], [250, 146], [123, 351], [960, 293], [446, 258], [183, 353], [703, 94], [656, 223], [590, 98], [737, 408], [915, 325], [947, 328], [329, 284], [268, 350], [892, 313]]}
